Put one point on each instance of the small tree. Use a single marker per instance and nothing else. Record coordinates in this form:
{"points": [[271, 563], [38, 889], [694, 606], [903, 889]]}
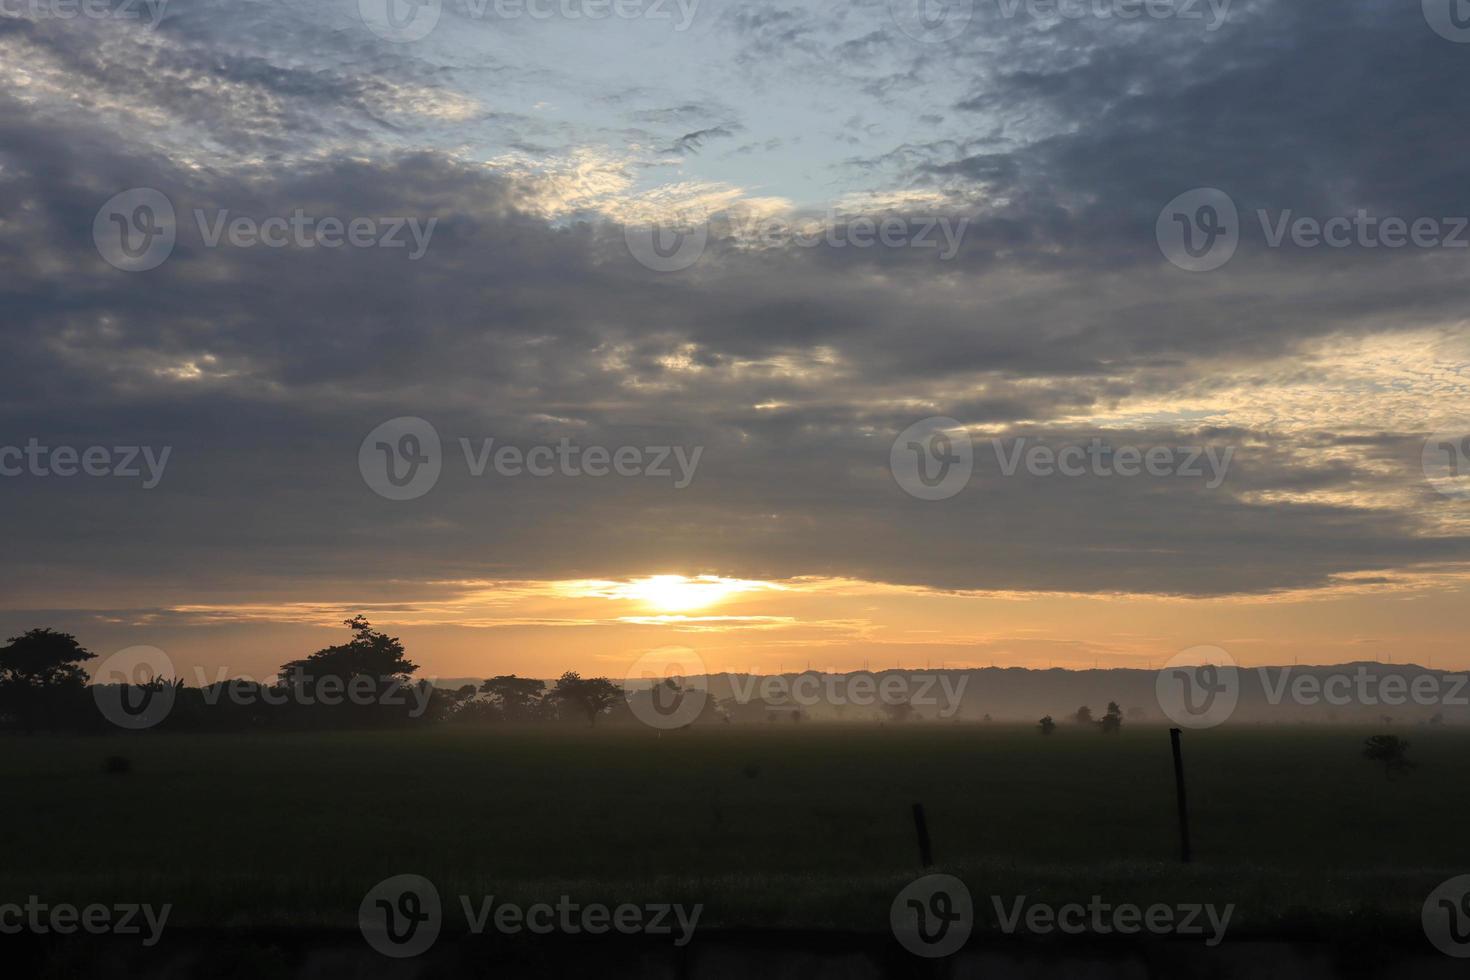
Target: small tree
{"points": [[1083, 715], [1390, 750], [898, 711], [592, 695], [1046, 725], [1111, 722]]}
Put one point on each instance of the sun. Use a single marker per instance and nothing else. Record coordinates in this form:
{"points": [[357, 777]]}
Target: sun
{"points": [[679, 593]]}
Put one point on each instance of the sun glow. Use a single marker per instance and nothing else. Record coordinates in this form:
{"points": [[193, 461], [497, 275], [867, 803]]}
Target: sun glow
{"points": [[679, 593]]}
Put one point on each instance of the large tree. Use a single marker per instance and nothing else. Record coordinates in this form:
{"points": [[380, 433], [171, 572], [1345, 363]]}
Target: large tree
{"points": [[516, 698], [44, 658], [592, 695], [42, 682], [369, 653]]}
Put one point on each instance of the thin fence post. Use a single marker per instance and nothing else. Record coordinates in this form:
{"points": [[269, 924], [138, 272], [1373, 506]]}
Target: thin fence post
{"points": [[921, 828], [1184, 849]]}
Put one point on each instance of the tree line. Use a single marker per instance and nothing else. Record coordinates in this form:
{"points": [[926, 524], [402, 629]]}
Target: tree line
{"points": [[367, 681]]}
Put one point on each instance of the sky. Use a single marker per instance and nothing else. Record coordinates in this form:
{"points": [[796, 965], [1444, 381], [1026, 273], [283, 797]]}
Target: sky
{"points": [[826, 275]]}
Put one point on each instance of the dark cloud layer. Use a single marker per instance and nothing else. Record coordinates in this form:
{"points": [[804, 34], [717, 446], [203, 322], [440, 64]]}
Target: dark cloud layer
{"points": [[793, 368]]}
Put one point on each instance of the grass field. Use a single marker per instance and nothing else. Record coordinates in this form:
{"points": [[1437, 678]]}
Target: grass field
{"points": [[767, 827]]}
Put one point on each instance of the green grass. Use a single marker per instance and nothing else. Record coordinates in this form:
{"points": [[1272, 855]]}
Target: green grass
{"points": [[1290, 824]]}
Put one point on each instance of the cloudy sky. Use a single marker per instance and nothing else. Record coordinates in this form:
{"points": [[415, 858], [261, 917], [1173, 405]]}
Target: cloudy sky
{"points": [[754, 246]]}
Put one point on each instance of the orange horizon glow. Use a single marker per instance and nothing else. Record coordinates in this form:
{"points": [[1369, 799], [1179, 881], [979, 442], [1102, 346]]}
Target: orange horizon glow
{"points": [[470, 628]]}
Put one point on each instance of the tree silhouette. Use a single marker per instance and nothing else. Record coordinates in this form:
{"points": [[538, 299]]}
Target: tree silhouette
{"points": [[1112, 721], [44, 658], [1083, 715], [365, 680], [592, 695], [41, 677], [1046, 725], [516, 698], [1391, 751], [368, 654]]}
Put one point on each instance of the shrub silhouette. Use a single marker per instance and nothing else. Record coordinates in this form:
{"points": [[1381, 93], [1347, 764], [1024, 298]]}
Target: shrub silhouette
{"points": [[1389, 750]]}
